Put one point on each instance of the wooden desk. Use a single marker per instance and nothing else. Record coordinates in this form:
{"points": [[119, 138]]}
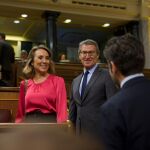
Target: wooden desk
{"points": [[63, 126], [43, 136], [31, 128], [9, 99]]}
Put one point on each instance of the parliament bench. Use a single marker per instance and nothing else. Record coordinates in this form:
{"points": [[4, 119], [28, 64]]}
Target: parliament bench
{"points": [[9, 100]]}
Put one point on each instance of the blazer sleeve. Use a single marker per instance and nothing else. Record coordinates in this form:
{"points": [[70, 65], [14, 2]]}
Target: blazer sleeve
{"points": [[21, 104], [61, 101], [112, 128], [72, 107]]}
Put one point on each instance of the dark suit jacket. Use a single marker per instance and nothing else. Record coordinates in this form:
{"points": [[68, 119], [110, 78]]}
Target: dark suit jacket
{"points": [[84, 112], [7, 56], [125, 117], [7, 59]]}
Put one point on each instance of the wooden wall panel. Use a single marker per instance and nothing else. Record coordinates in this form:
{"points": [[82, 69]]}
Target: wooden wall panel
{"points": [[68, 72], [9, 99]]}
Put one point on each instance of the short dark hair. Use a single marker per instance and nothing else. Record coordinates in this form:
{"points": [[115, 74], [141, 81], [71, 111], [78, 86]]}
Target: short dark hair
{"points": [[2, 35], [127, 53]]}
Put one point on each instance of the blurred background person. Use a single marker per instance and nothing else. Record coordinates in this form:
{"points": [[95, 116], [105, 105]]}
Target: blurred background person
{"points": [[63, 58], [24, 55], [43, 98], [7, 59], [125, 121], [87, 96], [20, 65]]}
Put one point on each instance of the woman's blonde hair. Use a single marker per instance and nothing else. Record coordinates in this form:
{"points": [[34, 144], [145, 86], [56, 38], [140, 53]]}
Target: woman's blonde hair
{"points": [[28, 70]]}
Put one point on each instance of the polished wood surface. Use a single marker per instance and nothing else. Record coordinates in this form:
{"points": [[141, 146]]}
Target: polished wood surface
{"points": [[18, 125], [24, 128], [9, 99]]}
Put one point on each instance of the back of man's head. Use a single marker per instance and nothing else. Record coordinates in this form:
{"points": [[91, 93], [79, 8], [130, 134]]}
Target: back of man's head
{"points": [[127, 53]]}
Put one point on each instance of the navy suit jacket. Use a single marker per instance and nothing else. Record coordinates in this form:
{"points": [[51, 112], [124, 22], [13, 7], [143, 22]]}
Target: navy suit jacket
{"points": [[125, 118], [7, 56], [84, 112]]}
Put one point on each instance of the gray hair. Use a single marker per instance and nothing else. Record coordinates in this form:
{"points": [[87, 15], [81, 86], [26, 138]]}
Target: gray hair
{"points": [[89, 42]]}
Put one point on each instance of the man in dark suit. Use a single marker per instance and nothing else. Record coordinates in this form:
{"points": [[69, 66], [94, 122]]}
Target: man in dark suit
{"points": [[85, 106], [125, 120], [7, 58]]}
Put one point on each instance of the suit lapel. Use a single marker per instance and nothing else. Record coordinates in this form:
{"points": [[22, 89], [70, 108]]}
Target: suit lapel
{"points": [[93, 79], [78, 81]]}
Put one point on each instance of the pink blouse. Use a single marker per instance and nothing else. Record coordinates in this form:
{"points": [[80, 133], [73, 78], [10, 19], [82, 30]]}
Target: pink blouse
{"points": [[48, 96]]}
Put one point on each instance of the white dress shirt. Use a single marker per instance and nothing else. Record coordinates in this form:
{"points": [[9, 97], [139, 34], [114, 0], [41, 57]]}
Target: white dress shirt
{"points": [[130, 77], [88, 77]]}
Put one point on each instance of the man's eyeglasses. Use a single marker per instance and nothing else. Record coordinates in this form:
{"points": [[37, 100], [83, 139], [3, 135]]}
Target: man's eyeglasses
{"points": [[90, 53]]}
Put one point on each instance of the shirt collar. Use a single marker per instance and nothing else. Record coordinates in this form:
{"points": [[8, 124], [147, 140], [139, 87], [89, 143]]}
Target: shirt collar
{"points": [[130, 77], [92, 69]]}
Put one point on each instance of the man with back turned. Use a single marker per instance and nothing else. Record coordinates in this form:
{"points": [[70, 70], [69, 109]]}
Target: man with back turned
{"points": [[125, 120]]}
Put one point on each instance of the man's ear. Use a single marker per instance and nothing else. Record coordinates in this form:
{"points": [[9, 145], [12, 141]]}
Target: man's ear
{"points": [[113, 67]]}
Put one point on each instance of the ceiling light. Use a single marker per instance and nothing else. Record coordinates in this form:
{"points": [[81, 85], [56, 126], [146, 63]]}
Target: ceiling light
{"points": [[106, 25], [24, 15], [16, 21], [67, 21]]}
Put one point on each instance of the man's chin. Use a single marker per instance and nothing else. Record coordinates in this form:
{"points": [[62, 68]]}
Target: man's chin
{"points": [[88, 66]]}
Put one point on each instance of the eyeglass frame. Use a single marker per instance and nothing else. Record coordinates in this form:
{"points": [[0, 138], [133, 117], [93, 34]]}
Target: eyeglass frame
{"points": [[90, 53]]}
